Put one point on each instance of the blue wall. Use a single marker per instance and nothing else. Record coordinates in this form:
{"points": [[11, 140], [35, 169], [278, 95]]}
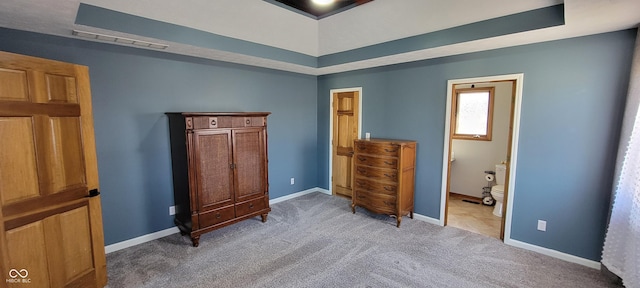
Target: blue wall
{"points": [[574, 94], [131, 90], [573, 98]]}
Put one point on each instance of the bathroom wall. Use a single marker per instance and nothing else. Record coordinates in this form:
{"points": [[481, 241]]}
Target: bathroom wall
{"points": [[473, 157]]}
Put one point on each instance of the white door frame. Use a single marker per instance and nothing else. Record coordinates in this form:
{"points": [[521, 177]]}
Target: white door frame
{"points": [[331, 92], [519, 78]]}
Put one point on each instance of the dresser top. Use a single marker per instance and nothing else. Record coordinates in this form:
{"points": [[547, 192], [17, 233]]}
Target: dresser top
{"points": [[219, 113], [383, 140]]}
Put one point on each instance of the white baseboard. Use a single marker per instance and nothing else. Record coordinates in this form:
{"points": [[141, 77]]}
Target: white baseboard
{"points": [[426, 219], [554, 253], [298, 194], [139, 240], [166, 232], [515, 243]]}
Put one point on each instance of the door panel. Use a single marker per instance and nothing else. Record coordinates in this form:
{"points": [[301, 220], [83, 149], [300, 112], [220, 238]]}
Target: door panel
{"points": [[61, 89], [213, 168], [18, 155], [249, 157], [50, 230], [13, 85], [345, 131], [66, 163]]}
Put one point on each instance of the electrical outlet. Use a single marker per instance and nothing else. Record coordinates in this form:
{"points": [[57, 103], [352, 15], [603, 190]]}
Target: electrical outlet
{"points": [[367, 135], [293, 181], [172, 210], [542, 225]]}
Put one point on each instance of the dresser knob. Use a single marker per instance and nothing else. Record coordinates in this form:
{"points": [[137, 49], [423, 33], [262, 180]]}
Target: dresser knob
{"points": [[388, 188], [389, 163], [389, 151], [362, 158], [248, 121], [390, 176], [218, 216], [213, 122], [251, 206]]}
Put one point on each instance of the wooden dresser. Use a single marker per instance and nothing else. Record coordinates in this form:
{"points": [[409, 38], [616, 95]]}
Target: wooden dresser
{"points": [[219, 163], [384, 176]]}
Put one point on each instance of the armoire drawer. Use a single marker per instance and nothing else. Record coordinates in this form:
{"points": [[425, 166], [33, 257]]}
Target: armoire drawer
{"points": [[376, 202], [249, 206], [214, 217], [377, 187], [377, 149], [386, 175], [390, 163]]}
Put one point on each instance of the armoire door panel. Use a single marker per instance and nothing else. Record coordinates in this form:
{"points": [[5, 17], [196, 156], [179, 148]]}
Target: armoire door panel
{"points": [[249, 162], [214, 174]]}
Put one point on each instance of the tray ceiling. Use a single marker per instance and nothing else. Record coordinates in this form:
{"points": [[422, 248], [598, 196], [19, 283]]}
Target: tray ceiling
{"points": [[383, 32]]}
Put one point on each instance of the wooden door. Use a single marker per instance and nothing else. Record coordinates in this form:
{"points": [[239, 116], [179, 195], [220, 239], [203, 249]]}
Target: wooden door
{"points": [[249, 158], [214, 183], [51, 229], [345, 131]]}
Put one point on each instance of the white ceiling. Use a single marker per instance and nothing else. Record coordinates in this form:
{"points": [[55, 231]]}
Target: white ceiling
{"points": [[372, 23]]}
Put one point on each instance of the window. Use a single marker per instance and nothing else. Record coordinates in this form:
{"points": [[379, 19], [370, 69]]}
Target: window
{"points": [[473, 113]]}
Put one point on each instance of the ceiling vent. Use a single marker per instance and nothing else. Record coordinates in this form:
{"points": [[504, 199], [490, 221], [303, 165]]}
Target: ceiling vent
{"points": [[117, 39]]}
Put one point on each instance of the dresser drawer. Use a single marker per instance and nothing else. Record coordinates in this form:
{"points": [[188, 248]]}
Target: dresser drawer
{"points": [[374, 186], [386, 175], [214, 217], [378, 203], [386, 149], [250, 206], [390, 163]]}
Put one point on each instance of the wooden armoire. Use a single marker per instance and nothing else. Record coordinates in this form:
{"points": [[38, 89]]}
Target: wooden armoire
{"points": [[220, 174]]}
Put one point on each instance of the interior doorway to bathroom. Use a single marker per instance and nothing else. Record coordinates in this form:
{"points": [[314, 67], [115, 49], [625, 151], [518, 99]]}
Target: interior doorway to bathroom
{"points": [[481, 132]]}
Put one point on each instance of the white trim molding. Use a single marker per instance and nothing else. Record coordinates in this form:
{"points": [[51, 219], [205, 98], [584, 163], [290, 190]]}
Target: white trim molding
{"points": [[166, 232], [554, 253], [427, 219], [139, 240], [519, 82], [298, 194]]}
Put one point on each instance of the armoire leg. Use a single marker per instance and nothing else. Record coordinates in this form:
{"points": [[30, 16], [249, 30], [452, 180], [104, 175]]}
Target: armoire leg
{"points": [[264, 218], [195, 240]]}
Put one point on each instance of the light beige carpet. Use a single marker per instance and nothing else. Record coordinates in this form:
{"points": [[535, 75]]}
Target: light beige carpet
{"points": [[315, 241]]}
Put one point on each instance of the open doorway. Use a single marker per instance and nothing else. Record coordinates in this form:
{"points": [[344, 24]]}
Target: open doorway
{"points": [[479, 150]]}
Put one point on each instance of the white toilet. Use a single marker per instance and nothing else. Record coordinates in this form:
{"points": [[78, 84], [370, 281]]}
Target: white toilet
{"points": [[497, 191]]}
